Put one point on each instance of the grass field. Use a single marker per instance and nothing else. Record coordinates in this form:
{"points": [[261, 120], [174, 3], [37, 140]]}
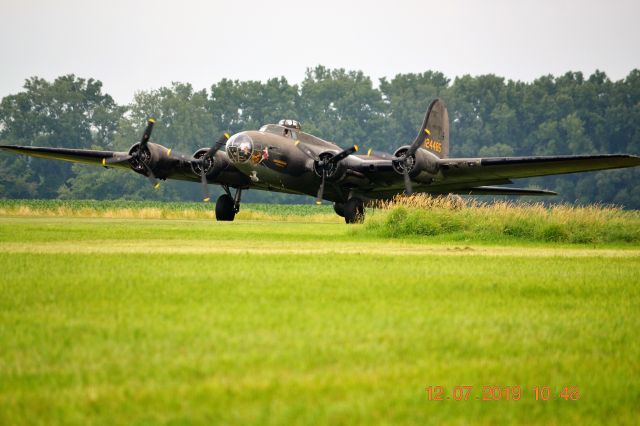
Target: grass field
{"points": [[108, 320]]}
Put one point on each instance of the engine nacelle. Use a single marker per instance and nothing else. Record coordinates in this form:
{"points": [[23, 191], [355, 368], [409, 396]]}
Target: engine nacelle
{"points": [[423, 165], [155, 156], [334, 171], [212, 165]]}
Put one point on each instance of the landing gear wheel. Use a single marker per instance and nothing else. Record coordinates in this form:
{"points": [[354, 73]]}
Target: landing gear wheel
{"points": [[225, 208], [354, 211], [339, 209]]}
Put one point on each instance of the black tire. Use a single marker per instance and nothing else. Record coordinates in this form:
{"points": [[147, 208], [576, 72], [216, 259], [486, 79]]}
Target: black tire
{"points": [[339, 209], [225, 208], [354, 211]]}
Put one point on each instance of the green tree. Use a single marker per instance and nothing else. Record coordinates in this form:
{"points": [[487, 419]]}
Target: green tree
{"points": [[343, 106], [490, 116], [242, 105], [183, 123], [407, 97], [70, 112]]}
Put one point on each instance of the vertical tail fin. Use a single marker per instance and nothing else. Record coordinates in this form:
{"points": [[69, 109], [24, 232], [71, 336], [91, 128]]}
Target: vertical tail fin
{"points": [[434, 132]]}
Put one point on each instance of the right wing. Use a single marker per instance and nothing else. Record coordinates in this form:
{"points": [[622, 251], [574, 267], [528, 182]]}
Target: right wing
{"points": [[182, 171], [85, 156]]}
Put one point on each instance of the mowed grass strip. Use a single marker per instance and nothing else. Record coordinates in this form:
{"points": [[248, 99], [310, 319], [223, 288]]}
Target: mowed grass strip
{"points": [[254, 336]]}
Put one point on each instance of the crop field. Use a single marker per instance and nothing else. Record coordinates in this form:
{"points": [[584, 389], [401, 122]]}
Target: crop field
{"points": [[142, 313]]}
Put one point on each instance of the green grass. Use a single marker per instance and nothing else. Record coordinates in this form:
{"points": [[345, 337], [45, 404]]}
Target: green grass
{"points": [[144, 321]]}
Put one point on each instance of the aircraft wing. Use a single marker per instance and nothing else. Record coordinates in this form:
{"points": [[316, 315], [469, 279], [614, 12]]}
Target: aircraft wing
{"points": [[181, 170], [476, 176], [85, 156], [471, 170]]}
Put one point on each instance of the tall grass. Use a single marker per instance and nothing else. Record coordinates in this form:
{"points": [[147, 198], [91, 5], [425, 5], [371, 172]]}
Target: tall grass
{"points": [[163, 210], [422, 216]]}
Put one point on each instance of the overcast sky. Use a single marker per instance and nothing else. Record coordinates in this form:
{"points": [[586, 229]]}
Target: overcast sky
{"points": [[139, 45]]}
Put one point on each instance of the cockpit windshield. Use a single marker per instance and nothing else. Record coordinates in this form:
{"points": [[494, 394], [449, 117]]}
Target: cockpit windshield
{"points": [[292, 124], [277, 129]]}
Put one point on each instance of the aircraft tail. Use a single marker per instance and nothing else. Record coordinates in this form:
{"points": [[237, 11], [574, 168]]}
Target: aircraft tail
{"points": [[434, 132]]}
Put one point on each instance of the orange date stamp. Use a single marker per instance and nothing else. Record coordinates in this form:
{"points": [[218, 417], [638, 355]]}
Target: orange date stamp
{"points": [[502, 393]]}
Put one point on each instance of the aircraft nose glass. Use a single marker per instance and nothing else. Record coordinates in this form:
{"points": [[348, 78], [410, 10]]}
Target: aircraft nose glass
{"points": [[239, 148]]}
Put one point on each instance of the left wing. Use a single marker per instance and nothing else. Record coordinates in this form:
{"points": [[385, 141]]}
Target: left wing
{"points": [[472, 175], [470, 170]]}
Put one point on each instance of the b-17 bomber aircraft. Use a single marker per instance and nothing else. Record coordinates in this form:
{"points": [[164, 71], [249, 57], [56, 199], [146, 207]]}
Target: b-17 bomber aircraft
{"points": [[282, 158]]}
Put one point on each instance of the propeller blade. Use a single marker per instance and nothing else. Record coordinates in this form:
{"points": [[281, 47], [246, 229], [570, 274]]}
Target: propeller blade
{"points": [[343, 154], [321, 189], [116, 160], [415, 145], [152, 178], [154, 182], [203, 175], [147, 132], [408, 190], [302, 147], [216, 147], [205, 188]]}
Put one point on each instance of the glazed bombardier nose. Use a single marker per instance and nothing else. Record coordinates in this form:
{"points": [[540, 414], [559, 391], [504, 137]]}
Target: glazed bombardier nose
{"points": [[239, 148]]}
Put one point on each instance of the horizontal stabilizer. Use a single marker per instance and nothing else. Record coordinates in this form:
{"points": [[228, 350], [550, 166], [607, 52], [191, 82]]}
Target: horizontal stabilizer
{"points": [[499, 190]]}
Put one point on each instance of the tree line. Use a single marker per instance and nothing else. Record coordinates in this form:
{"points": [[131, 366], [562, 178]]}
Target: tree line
{"points": [[490, 116]]}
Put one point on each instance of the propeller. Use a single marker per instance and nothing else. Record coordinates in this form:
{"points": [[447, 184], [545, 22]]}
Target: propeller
{"points": [[406, 162], [203, 169], [146, 135], [143, 144], [142, 147], [325, 163]]}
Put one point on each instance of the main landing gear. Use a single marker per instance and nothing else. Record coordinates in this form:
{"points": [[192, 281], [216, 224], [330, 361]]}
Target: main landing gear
{"points": [[352, 210], [227, 206]]}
